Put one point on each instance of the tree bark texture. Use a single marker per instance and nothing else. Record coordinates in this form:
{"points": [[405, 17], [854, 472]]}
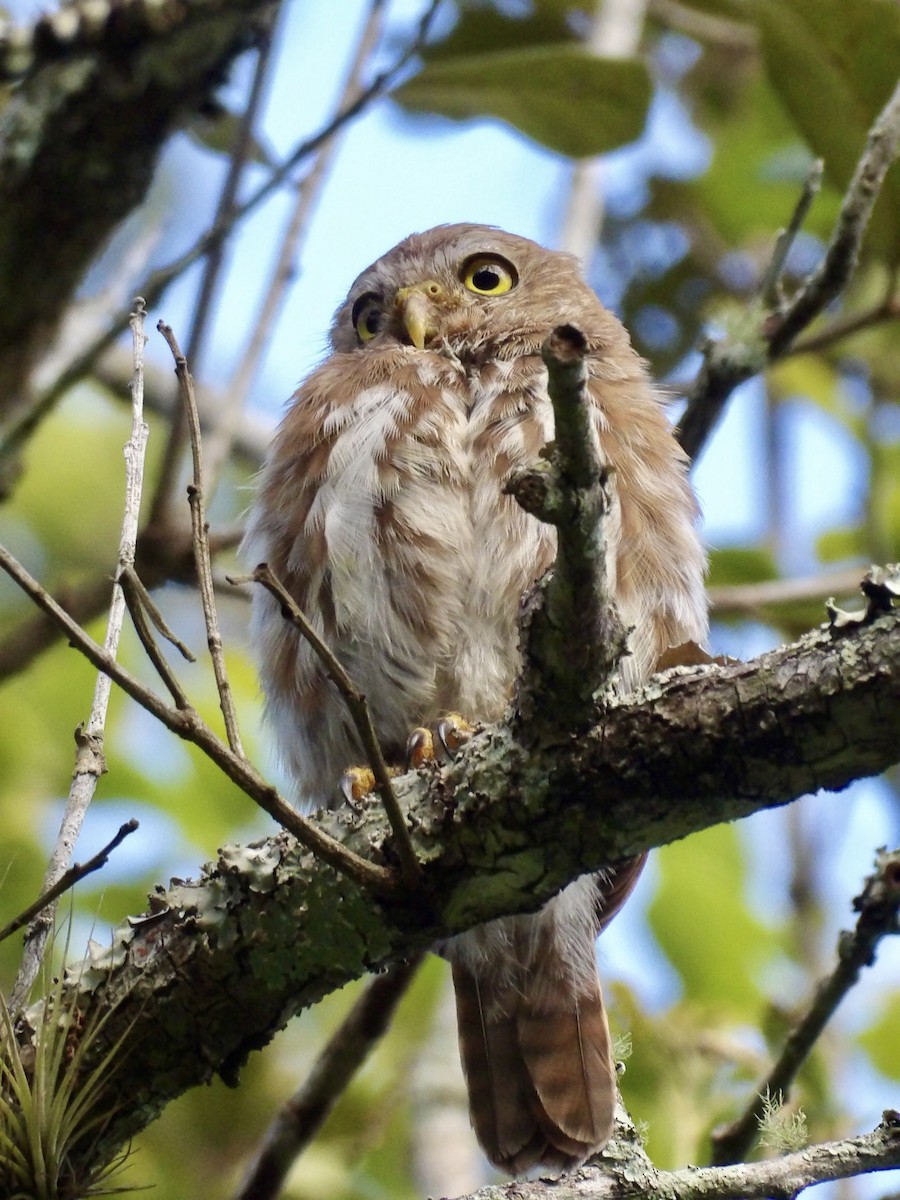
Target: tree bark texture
{"points": [[217, 966]]}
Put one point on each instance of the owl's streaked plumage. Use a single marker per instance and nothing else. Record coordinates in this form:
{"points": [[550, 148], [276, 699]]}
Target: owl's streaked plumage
{"points": [[381, 509]]}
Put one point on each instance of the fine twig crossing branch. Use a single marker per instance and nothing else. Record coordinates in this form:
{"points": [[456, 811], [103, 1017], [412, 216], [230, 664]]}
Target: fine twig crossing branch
{"points": [[356, 706], [90, 763]]}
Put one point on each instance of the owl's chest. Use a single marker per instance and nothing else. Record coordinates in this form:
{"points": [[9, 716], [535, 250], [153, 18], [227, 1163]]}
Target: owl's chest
{"points": [[447, 487], [484, 421]]}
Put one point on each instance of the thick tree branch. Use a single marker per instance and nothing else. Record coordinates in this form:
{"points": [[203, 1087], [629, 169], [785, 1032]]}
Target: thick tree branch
{"points": [[570, 489], [498, 831], [98, 96]]}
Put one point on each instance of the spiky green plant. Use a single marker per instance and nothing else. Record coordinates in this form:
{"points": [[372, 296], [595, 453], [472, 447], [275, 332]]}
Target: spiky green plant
{"points": [[51, 1105]]}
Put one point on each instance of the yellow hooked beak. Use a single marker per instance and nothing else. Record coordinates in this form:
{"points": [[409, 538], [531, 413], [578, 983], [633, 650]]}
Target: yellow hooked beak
{"points": [[416, 307]]}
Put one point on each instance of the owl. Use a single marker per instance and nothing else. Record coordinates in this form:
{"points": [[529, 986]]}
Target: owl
{"points": [[381, 507]]}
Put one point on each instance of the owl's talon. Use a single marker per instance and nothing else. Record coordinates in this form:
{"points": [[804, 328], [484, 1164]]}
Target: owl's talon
{"points": [[356, 784], [439, 742], [452, 732], [419, 748]]}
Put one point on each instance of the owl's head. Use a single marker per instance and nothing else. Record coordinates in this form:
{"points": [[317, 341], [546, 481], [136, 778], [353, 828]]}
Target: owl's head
{"points": [[465, 285]]}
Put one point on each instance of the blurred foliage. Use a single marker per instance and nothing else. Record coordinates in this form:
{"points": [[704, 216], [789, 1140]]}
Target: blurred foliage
{"points": [[762, 87]]}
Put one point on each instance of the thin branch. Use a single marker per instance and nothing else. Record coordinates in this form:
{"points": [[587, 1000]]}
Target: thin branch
{"points": [[160, 509], [742, 599], [300, 1119], [878, 907], [142, 597], [625, 1173], [614, 31], [705, 27], [160, 559], [731, 360], [844, 327], [187, 724], [228, 409], [356, 706], [69, 878], [134, 600], [90, 763], [836, 268], [569, 489], [200, 531], [769, 288]]}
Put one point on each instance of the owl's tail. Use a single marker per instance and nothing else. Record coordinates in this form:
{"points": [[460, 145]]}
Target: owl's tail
{"points": [[539, 1067]]}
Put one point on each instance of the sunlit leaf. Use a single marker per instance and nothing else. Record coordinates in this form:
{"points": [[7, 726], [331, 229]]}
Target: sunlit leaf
{"points": [[834, 66], [715, 948], [558, 95]]}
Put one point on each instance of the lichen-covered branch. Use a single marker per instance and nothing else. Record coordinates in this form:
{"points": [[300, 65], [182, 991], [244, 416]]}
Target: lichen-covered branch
{"points": [[568, 488], [626, 1173], [220, 964]]}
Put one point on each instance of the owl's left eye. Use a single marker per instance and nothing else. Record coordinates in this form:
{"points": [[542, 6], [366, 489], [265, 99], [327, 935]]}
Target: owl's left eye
{"points": [[488, 275], [366, 317]]}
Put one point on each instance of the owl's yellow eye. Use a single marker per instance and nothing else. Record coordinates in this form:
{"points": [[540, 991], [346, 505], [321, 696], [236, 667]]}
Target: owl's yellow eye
{"points": [[488, 275], [366, 317]]}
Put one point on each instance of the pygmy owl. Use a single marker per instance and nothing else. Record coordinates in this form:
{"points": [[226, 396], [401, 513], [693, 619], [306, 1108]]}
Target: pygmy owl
{"points": [[381, 508]]}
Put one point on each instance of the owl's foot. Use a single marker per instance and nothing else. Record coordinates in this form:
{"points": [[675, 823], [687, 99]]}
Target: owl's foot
{"points": [[439, 742], [357, 783]]}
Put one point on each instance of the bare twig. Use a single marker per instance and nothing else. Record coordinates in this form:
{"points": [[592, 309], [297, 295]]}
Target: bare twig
{"points": [[740, 599], [160, 560], [844, 327], [68, 880], [878, 907], [705, 27], [187, 724], [90, 763], [769, 287], [228, 409], [570, 490], [141, 596], [134, 600], [163, 496], [356, 706], [732, 360], [200, 531], [300, 1119]]}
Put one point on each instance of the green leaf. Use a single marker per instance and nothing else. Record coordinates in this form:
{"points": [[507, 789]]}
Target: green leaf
{"points": [[741, 564], [834, 66], [561, 96], [880, 1040], [702, 921], [846, 541], [486, 30], [220, 130]]}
